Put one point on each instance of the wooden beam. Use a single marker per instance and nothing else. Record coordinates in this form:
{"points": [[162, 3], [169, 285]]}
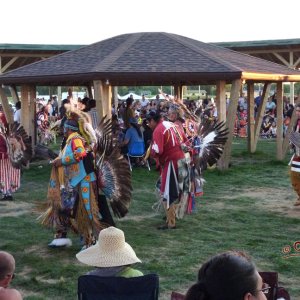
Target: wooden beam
{"points": [[28, 95], [103, 94], [260, 113], [14, 94], [89, 92], [6, 108], [221, 100], [269, 51], [32, 55], [178, 91], [279, 109], [250, 117], [8, 64], [269, 77], [223, 162], [285, 62]]}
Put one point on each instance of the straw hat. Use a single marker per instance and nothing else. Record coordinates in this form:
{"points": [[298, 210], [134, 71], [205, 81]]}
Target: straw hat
{"points": [[111, 250]]}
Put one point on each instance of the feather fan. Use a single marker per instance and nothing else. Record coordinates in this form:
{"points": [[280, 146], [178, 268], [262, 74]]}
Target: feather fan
{"points": [[19, 144]]}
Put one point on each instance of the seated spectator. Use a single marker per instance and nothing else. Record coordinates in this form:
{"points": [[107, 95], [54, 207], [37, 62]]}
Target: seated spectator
{"points": [[111, 256], [133, 139], [266, 127], [7, 269], [270, 106], [273, 130], [230, 275]]}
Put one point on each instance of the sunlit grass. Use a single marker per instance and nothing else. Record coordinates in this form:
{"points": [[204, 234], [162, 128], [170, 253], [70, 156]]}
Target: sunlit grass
{"points": [[240, 209]]}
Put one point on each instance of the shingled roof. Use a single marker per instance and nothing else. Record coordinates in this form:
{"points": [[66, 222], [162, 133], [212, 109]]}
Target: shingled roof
{"points": [[149, 59]]}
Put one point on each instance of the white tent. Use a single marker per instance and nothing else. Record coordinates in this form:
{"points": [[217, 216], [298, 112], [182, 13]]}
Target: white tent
{"points": [[161, 97], [135, 96]]}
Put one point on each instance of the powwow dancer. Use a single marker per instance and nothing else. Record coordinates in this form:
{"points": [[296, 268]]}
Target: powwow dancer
{"points": [[15, 151], [207, 139], [73, 193], [166, 147], [295, 160]]}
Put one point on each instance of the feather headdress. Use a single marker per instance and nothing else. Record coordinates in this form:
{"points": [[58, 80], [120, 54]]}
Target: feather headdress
{"points": [[85, 127]]}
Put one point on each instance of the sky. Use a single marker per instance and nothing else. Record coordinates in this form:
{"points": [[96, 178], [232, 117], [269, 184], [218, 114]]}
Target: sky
{"points": [[89, 21]]}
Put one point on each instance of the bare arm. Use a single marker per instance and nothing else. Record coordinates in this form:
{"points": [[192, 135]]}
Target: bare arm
{"points": [[10, 294]]}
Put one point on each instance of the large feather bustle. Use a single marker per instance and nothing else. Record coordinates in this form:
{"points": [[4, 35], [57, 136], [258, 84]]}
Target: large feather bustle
{"points": [[213, 136], [105, 143], [114, 179], [19, 144], [113, 173]]}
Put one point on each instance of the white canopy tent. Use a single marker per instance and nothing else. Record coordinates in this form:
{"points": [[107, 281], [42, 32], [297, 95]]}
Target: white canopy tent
{"points": [[135, 96]]}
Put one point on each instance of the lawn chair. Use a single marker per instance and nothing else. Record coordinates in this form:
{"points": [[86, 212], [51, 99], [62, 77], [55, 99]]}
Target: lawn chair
{"points": [[137, 150], [91, 287], [276, 292]]}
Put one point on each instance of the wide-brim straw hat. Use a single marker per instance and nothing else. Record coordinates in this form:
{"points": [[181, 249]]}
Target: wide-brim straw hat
{"points": [[111, 250]]}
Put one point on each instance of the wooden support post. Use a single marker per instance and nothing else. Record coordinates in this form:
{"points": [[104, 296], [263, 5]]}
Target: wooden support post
{"points": [[260, 113], [221, 100], [90, 92], [250, 117], [103, 96], [223, 162], [6, 108], [14, 94], [59, 96], [178, 91], [28, 108], [115, 99], [279, 109]]}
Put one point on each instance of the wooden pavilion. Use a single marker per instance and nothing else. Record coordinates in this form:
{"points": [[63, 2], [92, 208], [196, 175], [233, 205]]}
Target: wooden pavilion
{"points": [[156, 59]]}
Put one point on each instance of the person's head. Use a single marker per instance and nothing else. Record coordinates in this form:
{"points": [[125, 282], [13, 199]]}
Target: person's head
{"points": [[133, 121], [173, 113], [82, 104], [18, 105], [129, 102], [153, 119], [228, 276], [111, 250], [7, 268], [92, 103], [70, 126]]}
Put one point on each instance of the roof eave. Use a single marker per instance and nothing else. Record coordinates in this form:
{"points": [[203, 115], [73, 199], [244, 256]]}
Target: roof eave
{"points": [[270, 77], [126, 78]]}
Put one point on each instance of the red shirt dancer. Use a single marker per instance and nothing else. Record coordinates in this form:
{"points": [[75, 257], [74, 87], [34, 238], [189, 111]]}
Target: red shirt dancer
{"points": [[166, 147]]}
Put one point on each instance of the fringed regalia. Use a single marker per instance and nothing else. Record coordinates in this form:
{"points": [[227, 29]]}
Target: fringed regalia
{"points": [[90, 165]]}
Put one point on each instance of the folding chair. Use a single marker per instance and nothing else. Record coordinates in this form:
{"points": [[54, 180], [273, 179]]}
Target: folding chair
{"points": [[91, 287], [137, 150]]}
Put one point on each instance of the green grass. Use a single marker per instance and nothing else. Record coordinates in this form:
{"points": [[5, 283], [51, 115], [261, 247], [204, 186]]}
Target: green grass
{"points": [[247, 207]]}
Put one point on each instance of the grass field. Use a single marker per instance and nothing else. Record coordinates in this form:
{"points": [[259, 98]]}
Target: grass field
{"points": [[249, 207]]}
